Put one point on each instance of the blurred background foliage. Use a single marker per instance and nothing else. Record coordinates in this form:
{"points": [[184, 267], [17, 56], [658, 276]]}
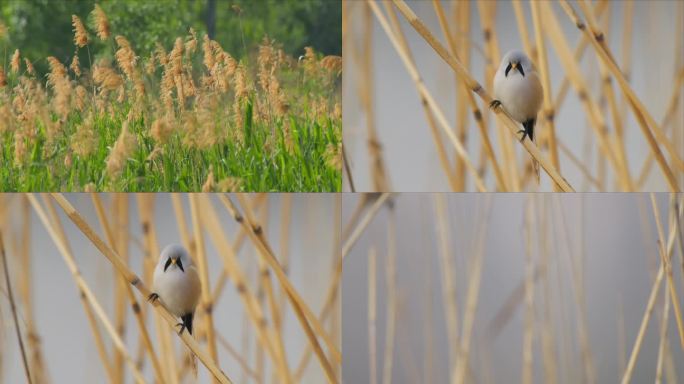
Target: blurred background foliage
{"points": [[41, 28]]}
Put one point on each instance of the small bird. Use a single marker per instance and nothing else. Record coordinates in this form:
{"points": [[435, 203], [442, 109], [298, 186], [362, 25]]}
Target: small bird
{"points": [[517, 87], [177, 284]]}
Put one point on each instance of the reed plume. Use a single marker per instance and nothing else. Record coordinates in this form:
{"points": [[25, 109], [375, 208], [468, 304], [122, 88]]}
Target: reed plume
{"points": [[14, 63], [101, 22], [80, 34], [122, 150]]}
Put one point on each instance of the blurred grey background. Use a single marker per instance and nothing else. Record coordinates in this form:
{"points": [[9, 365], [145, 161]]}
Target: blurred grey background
{"points": [[68, 347], [410, 155], [620, 262]]}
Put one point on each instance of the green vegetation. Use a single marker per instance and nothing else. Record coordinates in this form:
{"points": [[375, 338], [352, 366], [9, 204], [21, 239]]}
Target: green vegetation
{"points": [[193, 118]]}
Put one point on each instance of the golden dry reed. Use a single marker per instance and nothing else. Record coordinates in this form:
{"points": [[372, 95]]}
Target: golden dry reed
{"points": [[603, 165], [554, 336], [267, 299]]}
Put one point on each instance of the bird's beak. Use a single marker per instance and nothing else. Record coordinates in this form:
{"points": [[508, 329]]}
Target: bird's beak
{"points": [[169, 261], [174, 260], [514, 65]]}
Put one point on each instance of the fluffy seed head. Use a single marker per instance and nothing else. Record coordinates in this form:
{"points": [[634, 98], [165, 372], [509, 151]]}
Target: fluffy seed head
{"points": [[3, 78], [80, 34], [123, 148], [14, 63], [102, 23], [75, 66], [29, 67]]}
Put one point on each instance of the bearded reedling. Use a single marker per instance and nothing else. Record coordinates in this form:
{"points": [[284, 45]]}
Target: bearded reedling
{"points": [[177, 284], [518, 89]]}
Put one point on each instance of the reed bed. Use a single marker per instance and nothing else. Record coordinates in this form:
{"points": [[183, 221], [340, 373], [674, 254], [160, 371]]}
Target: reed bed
{"points": [[526, 290], [244, 281], [190, 117], [600, 129]]}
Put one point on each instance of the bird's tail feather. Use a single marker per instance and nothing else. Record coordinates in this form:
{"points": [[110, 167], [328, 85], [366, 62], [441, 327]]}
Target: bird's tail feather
{"points": [[529, 130]]}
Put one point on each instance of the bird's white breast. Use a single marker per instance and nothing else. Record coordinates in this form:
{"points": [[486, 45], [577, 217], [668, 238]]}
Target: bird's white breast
{"points": [[520, 96], [178, 290]]}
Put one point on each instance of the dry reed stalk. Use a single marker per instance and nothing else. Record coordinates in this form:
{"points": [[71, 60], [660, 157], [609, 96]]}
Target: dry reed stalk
{"points": [[266, 285], [378, 170], [35, 353], [680, 232], [239, 279], [436, 137], [666, 123], [135, 306], [92, 322], [361, 203], [649, 127], [134, 280], [167, 350], [668, 270], [425, 95], [463, 89], [578, 163], [528, 335], [461, 17], [307, 319], [182, 222], [331, 296], [547, 339], [627, 376], [120, 244], [547, 104], [391, 294], [579, 296], [578, 54], [626, 50], [609, 94], [579, 82], [663, 337], [285, 221], [524, 33], [449, 293], [361, 227], [474, 86], [13, 307], [372, 305], [236, 355], [347, 168], [428, 338], [62, 244], [203, 269], [487, 11], [336, 316], [472, 295], [237, 245], [507, 310]]}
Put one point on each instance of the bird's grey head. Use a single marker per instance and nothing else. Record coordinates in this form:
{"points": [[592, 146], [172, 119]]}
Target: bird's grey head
{"points": [[175, 256], [516, 62]]}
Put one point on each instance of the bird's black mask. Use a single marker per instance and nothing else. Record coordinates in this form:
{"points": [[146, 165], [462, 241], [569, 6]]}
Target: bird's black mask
{"points": [[178, 262], [518, 66]]}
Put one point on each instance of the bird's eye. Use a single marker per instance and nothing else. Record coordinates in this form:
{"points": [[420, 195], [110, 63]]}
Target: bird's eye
{"points": [[508, 68], [180, 264], [520, 68], [168, 262]]}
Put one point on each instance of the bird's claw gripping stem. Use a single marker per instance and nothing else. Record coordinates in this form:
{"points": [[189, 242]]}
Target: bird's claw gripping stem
{"points": [[182, 328], [153, 297], [494, 104]]}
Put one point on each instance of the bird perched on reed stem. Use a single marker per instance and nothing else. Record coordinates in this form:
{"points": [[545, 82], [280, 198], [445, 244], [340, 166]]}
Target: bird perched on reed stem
{"points": [[518, 89], [177, 284]]}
